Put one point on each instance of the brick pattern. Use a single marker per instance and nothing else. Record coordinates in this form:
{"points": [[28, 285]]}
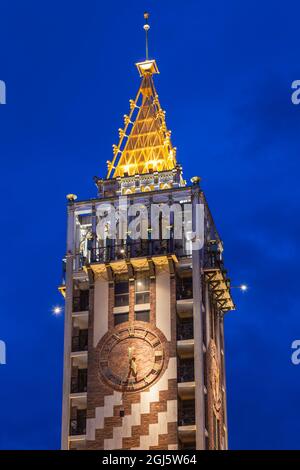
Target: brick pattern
{"points": [[100, 394], [141, 432]]}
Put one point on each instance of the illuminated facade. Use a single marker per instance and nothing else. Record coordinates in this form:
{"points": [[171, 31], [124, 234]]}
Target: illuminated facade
{"points": [[144, 337]]}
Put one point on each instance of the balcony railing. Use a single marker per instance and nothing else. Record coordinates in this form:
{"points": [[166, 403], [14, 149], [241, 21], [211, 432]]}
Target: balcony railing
{"points": [[186, 418], [78, 385], [80, 342], [184, 289], [186, 413], [140, 248], [77, 426], [131, 250], [185, 330], [186, 373], [213, 259], [80, 304]]}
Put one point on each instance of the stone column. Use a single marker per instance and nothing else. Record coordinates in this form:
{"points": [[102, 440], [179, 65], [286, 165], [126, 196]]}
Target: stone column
{"points": [[198, 331], [68, 327]]}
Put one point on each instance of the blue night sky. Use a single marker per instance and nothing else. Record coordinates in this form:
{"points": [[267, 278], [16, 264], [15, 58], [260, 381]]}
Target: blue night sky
{"points": [[226, 73]]}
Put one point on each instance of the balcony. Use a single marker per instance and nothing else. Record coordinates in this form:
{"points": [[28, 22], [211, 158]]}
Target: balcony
{"points": [[137, 249], [186, 390], [187, 419], [78, 427], [185, 348], [80, 342], [186, 380], [184, 289], [184, 308], [184, 297], [213, 259], [186, 412], [185, 329], [79, 383], [81, 301], [187, 434], [185, 370]]}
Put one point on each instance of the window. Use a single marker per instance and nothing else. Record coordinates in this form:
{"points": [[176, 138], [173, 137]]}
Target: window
{"points": [[80, 341], [79, 381], [82, 380], [184, 288], [120, 318], [143, 315], [142, 289], [186, 412], [80, 300], [78, 424], [186, 369], [121, 293]]}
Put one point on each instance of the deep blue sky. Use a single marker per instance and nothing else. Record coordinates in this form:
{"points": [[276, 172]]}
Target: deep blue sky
{"points": [[226, 72]]}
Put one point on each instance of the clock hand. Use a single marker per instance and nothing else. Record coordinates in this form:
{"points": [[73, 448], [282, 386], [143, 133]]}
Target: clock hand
{"points": [[133, 366], [132, 363], [130, 352]]}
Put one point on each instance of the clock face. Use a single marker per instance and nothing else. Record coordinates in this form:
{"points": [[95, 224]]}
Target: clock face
{"points": [[131, 358]]}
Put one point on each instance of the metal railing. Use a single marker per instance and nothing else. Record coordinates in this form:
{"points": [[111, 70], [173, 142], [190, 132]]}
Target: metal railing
{"points": [[78, 385], [185, 330], [186, 372], [213, 259], [77, 426], [184, 289], [186, 418], [136, 249], [80, 342], [80, 304]]}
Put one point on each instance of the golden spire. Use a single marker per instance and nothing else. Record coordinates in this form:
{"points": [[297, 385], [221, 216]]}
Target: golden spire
{"points": [[146, 28], [144, 141]]}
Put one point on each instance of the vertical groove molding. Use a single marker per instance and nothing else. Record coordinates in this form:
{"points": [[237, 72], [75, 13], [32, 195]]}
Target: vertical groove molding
{"points": [[198, 333], [68, 328]]}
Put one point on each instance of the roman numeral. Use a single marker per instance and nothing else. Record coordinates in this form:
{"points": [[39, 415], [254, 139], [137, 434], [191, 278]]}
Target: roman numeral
{"points": [[131, 331]]}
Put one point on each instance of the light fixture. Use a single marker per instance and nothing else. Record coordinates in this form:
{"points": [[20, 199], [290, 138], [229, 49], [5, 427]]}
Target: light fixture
{"points": [[243, 287], [71, 197], [196, 180], [57, 310]]}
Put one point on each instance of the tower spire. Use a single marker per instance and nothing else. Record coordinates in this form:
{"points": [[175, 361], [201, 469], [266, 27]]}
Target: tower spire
{"points": [[146, 28], [144, 141]]}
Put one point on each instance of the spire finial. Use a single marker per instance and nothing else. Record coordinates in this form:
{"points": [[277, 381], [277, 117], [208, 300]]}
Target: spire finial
{"points": [[146, 28]]}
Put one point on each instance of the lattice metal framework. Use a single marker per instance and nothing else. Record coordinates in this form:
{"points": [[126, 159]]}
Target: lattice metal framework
{"points": [[144, 142]]}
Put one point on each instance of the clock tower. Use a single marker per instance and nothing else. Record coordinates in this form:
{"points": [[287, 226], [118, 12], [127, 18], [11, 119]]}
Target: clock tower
{"points": [[145, 296]]}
